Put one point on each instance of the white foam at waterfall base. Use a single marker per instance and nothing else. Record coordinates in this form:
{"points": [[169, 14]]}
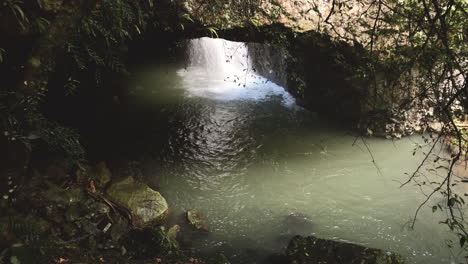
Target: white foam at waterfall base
{"points": [[222, 70]]}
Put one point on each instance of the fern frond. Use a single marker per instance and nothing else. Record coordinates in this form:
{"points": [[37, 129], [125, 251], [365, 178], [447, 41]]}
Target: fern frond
{"points": [[213, 31]]}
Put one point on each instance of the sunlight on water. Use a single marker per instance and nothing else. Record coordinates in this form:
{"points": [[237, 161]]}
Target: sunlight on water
{"points": [[222, 70]]}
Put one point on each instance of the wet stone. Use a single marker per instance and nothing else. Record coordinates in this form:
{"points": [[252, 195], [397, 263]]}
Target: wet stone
{"points": [[150, 242], [196, 220], [143, 202], [305, 250]]}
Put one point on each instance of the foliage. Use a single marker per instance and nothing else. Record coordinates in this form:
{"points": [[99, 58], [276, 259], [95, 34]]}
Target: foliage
{"points": [[98, 41], [22, 120], [433, 44], [235, 13], [26, 20], [20, 115], [94, 50], [213, 31], [30, 236], [15, 7], [27, 229]]}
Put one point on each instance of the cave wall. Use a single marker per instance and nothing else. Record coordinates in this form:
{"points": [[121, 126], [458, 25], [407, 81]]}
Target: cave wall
{"points": [[270, 61], [327, 69], [318, 71]]}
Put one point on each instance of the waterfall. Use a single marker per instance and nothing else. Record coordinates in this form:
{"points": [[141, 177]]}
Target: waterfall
{"points": [[222, 70], [219, 56]]}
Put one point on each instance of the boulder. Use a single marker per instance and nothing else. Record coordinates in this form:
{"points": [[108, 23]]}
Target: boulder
{"points": [[148, 205], [196, 220], [305, 250], [147, 243]]}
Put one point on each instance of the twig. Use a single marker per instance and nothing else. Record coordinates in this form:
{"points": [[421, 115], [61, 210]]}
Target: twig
{"points": [[422, 162], [372, 156], [331, 11], [425, 201]]}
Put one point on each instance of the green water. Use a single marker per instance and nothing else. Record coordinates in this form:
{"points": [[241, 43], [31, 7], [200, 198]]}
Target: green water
{"points": [[261, 169], [249, 163]]}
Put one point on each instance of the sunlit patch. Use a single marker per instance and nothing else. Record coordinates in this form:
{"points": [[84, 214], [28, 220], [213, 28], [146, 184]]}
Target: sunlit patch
{"points": [[222, 70]]}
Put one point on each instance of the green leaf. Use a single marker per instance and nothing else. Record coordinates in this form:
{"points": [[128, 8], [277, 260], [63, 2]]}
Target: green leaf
{"points": [[18, 10], [254, 22], [213, 31], [187, 17], [138, 29], [434, 208]]}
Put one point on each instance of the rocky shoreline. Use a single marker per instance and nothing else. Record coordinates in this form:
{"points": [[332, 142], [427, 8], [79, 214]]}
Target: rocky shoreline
{"points": [[87, 217], [91, 217]]}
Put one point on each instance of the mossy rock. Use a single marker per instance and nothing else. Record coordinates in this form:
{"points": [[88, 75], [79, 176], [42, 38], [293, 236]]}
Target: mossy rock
{"points": [[148, 243], [172, 234], [196, 220], [311, 250], [148, 205]]}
